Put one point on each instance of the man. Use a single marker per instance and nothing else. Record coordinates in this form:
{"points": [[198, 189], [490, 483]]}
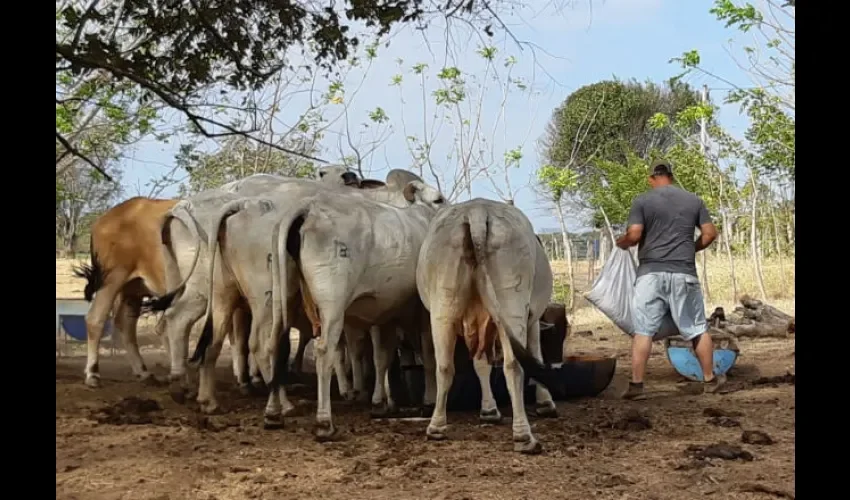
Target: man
{"points": [[662, 221]]}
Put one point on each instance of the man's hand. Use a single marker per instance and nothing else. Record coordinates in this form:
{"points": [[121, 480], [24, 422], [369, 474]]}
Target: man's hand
{"points": [[708, 233], [632, 236]]}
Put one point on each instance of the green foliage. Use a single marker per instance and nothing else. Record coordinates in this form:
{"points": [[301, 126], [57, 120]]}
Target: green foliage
{"points": [[601, 138], [238, 157], [177, 51], [616, 185], [770, 107], [608, 120]]}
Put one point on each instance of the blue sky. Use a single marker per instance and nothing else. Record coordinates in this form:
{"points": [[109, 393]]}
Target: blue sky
{"points": [[575, 46]]}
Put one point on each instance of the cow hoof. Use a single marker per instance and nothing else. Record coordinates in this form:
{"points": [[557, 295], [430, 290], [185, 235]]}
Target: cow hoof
{"points": [[290, 411], [490, 416], [325, 431], [209, 407], [246, 389], [436, 433], [379, 410], [258, 384], [527, 445], [272, 422], [546, 410], [93, 381], [350, 395]]}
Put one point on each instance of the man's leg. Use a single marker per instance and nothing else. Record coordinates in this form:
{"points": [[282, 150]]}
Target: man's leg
{"points": [[688, 311], [648, 308]]}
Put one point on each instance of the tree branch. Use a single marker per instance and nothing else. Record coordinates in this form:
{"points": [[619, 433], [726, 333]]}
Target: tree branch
{"points": [[74, 151]]}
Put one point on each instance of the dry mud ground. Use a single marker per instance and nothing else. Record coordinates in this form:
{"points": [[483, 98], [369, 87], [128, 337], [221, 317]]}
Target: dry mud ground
{"points": [[111, 447], [598, 448]]}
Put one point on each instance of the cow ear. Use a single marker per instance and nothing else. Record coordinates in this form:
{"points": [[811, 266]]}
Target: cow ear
{"points": [[410, 191], [322, 173], [371, 184]]}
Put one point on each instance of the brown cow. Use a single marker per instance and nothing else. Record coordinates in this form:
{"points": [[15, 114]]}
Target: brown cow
{"points": [[126, 266]]}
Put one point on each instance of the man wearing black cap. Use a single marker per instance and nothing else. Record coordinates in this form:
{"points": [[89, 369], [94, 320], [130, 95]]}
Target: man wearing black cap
{"points": [[662, 222]]}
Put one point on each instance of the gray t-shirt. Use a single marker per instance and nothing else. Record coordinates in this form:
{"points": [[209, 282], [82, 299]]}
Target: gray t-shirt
{"points": [[669, 215]]}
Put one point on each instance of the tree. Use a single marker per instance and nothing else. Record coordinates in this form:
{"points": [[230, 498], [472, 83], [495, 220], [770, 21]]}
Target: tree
{"points": [[238, 157], [770, 63], [85, 193], [454, 118], [602, 135], [609, 120], [175, 51]]}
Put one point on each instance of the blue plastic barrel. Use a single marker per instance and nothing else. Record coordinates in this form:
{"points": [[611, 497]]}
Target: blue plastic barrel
{"points": [[75, 326], [685, 362]]}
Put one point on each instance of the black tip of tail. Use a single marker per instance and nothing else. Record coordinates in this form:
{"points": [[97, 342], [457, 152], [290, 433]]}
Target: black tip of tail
{"points": [[94, 276], [204, 341], [158, 304], [281, 375], [535, 369]]}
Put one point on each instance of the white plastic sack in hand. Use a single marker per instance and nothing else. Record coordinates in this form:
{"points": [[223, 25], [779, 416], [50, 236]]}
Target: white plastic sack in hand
{"points": [[613, 290]]}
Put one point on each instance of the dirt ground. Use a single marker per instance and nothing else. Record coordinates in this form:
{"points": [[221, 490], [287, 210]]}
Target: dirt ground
{"points": [[131, 441], [112, 446]]}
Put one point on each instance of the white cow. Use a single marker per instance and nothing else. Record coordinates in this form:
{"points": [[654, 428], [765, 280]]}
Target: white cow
{"points": [[354, 262], [241, 231], [480, 263], [184, 246]]}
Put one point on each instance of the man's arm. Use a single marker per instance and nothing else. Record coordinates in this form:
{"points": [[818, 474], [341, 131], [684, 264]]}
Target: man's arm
{"points": [[634, 231], [632, 236], [708, 233]]}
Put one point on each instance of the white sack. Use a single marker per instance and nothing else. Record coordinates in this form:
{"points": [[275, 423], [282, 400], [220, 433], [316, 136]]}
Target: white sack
{"points": [[613, 290]]}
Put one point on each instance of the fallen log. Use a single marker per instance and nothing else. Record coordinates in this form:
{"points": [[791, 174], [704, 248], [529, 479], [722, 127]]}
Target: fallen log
{"points": [[753, 318]]}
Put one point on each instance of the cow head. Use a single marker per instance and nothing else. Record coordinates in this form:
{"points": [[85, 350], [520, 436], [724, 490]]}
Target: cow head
{"points": [[418, 191], [338, 174]]}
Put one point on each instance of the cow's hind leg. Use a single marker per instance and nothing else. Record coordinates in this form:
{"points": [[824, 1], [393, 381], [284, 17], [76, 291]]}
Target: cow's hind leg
{"points": [[178, 320], [239, 349], [305, 335], [355, 340], [263, 343], [126, 314], [384, 345], [429, 364], [489, 411], [524, 440], [95, 321], [222, 322], [442, 331], [327, 355], [545, 404]]}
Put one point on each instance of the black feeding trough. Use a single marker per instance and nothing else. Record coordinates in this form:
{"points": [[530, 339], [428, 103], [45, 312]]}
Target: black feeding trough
{"points": [[581, 376]]}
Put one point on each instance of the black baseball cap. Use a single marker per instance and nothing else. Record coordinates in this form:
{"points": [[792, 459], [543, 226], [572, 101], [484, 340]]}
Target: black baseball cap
{"points": [[660, 167]]}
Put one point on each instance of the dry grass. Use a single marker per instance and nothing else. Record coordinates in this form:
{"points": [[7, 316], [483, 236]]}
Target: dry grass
{"points": [[779, 279], [780, 292]]}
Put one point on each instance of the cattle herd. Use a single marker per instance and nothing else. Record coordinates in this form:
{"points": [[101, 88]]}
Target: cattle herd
{"points": [[344, 260]]}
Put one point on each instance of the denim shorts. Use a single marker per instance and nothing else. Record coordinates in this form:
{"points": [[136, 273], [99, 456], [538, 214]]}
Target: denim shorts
{"points": [[656, 293]]}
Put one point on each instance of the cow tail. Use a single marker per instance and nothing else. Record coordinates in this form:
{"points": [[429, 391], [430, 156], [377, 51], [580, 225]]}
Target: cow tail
{"points": [[94, 274], [182, 211], [286, 238], [476, 232], [206, 337]]}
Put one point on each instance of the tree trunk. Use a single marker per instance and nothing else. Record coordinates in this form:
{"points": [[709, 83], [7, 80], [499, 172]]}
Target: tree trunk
{"points": [[754, 241], [728, 247], [778, 249], [727, 244], [565, 237]]}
